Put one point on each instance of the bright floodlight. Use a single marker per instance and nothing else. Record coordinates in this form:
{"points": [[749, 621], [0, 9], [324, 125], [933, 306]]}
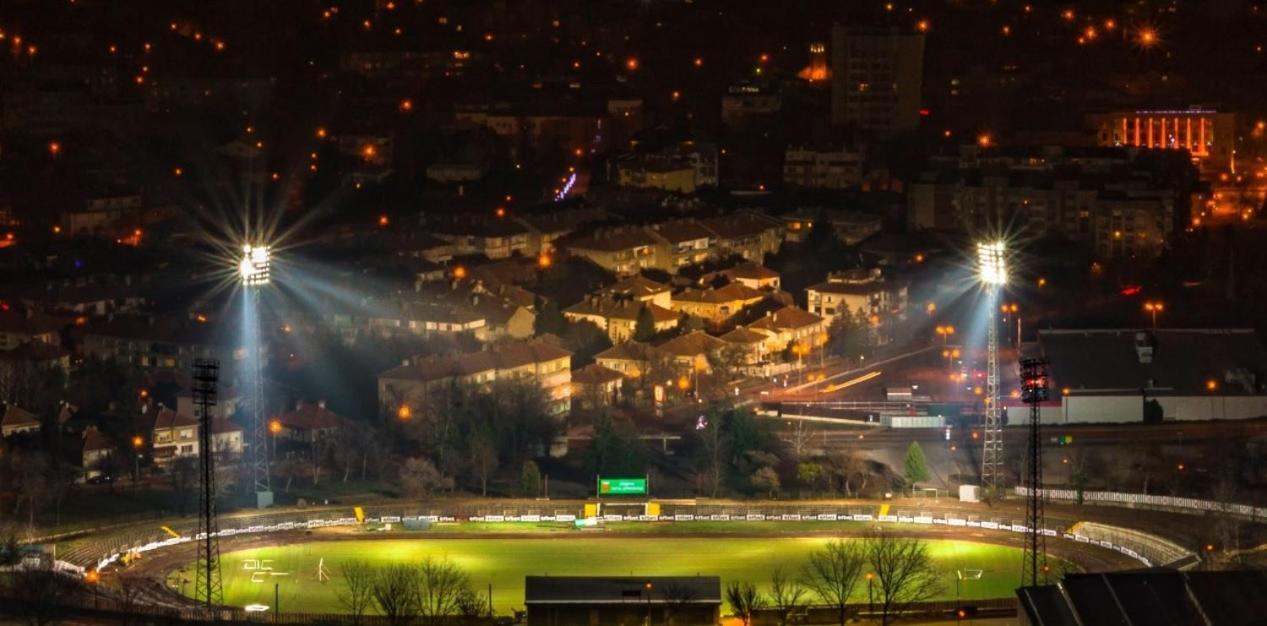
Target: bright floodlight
{"points": [[253, 269], [991, 267]]}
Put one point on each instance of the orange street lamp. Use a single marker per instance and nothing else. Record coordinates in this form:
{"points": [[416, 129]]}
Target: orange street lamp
{"points": [[931, 307], [683, 383], [459, 272], [274, 426], [1153, 308], [544, 261], [404, 413]]}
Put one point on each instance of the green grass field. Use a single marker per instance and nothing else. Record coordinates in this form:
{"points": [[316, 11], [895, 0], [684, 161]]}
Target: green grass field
{"points": [[503, 563]]}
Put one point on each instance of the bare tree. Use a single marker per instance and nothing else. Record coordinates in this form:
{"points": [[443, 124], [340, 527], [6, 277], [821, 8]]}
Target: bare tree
{"points": [[395, 593], [419, 478], [833, 572], [904, 572], [357, 588], [41, 594], [850, 469], [129, 589], [787, 596], [483, 456], [744, 600], [800, 437], [676, 597], [471, 605], [441, 585]]}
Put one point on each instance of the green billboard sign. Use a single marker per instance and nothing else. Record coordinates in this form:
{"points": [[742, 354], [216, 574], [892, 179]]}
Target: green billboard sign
{"points": [[622, 486]]}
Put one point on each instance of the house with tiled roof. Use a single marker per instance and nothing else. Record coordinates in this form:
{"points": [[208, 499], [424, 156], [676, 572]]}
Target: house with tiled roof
{"points": [[641, 289], [747, 234], [750, 343], [95, 450], [863, 291], [403, 388], [622, 251], [631, 359], [16, 421], [596, 386], [173, 435], [716, 305], [694, 350], [227, 438], [308, 422], [790, 325], [752, 275], [492, 236], [619, 318], [680, 243]]}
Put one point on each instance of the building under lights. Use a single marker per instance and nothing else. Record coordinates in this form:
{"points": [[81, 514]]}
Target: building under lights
{"points": [[1209, 136], [1122, 375]]}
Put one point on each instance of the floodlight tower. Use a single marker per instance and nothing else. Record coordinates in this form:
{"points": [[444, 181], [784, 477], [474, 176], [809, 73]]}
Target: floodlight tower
{"points": [[208, 590], [992, 271], [254, 272], [1034, 389]]}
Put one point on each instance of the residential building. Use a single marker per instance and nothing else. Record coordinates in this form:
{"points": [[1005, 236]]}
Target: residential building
{"points": [[228, 399], [595, 386], [404, 388], [790, 326], [308, 422], [877, 77], [94, 452], [694, 351], [851, 227], [493, 237], [647, 600], [746, 234], [665, 175], [865, 292], [619, 318], [16, 421], [822, 168], [752, 276], [173, 436], [750, 343], [20, 327], [161, 342], [227, 438], [622, 251], [631, 359], [1135, 375], [716, 305], [640, 289], [680, 243]]}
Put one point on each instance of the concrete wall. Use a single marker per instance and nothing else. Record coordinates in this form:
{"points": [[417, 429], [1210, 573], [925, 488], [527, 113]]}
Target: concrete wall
{"points": [[1076, 409]]}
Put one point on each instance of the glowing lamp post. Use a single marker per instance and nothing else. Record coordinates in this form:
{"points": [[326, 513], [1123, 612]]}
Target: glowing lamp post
{"points": [[1154, 308], [992, 272]]}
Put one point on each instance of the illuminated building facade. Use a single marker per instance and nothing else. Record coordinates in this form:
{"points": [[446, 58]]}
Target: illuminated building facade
{"points": [[817, 70], [1208, 135]]}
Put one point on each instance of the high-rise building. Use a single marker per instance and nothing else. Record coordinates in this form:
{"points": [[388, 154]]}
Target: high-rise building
{"points": [[876, 78]]}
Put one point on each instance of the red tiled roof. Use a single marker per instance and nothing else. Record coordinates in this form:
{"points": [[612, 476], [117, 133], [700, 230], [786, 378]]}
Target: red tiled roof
{"points": [[732, 292], [94, 441], [692, 344], [309, 417], [167, 418], [509, 356], [15, 416], [595, 374], [743, 335], [788, 317]]}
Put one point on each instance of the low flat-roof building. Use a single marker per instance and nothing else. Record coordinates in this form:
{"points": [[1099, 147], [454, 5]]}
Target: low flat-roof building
{"points": [[622, 600], [1124, 375]]}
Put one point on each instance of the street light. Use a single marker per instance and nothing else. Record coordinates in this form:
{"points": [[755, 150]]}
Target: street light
{"points": [[944, 331], [138, 442], [1154, 307]]}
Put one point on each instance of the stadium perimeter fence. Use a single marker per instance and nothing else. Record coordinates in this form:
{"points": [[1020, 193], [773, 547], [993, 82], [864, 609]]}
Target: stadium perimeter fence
{"points": [[97, 552]]}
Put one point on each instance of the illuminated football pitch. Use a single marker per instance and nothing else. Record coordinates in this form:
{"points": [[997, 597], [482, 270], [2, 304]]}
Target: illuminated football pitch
{"points": [[249, 576]]}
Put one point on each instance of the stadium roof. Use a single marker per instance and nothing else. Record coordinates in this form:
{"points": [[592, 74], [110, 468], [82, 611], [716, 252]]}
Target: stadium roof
{"points": [[1160, 597], [1166, 361]]}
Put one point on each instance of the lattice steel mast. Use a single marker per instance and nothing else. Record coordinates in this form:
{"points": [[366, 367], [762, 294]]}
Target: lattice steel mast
{"points": [[1034, 389], [207, 588]]}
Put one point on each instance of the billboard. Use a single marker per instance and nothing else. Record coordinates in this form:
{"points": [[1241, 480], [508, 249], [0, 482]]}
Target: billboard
{"points": [[622, 486]]}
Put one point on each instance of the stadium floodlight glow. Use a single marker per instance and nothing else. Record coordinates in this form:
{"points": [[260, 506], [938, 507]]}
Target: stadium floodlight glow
{"points": [[253, 269], [992, 269]]}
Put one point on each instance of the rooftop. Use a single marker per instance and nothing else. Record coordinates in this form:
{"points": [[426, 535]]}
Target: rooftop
{"points": [[729, 293], [692, 344], [788, 317], [640, 590], [612, 240], [309, 416], [595, 374], [509, 356], [1172, 361]]}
